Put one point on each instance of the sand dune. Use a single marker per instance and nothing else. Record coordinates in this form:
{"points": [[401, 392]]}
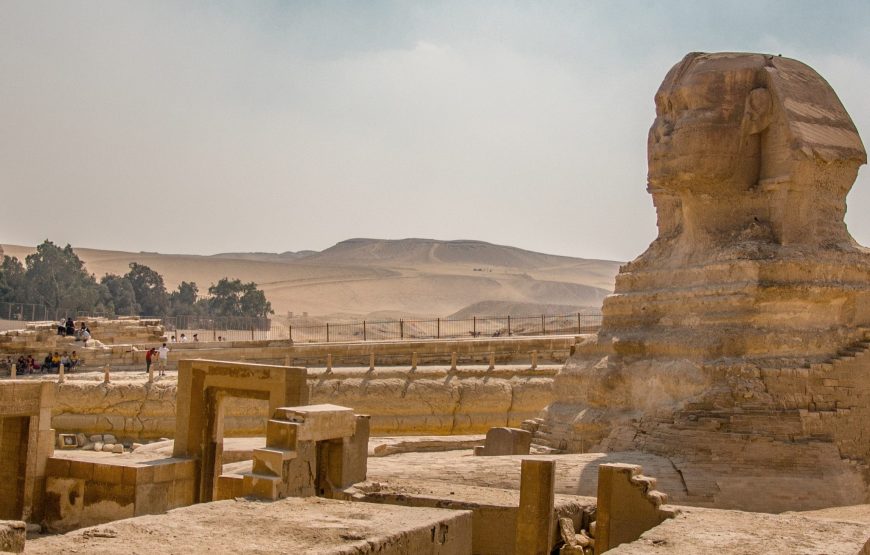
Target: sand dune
{"points": [[358, 277]]}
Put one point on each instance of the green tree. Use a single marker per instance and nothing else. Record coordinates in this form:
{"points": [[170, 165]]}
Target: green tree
{"points": [[121, 296], [185, 300], [12, 281], [56, 278], [149, 290], [234, 298]]}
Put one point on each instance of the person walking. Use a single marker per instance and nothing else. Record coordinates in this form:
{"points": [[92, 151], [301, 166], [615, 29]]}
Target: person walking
{"points": [[162, 357]]}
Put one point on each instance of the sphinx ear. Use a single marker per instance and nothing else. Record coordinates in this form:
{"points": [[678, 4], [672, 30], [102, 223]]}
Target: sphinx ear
{"points": [[757, 115]]}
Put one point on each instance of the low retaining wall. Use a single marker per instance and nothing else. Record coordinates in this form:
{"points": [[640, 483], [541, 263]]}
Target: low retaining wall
{"points": [[433, 401]]}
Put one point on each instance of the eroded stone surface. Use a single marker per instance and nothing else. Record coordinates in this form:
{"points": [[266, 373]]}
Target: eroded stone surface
{"points": [[294, 525], [735, 344], [699, 531]]}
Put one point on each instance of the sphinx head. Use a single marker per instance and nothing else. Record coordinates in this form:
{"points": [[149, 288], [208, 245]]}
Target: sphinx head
{"points": [[745, 139]]}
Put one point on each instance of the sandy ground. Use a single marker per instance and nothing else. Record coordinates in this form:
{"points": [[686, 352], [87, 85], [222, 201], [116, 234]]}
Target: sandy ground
{"points": [[409, 278]]}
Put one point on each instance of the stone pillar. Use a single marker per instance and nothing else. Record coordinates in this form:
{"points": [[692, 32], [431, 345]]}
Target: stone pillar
{"points": [[106, 374], [372, 361], [453, 360], [13, 371], [328, 362], [534, 359], [413, 361], [535, 515], [60, 376], [492, 360], [151, 373]]}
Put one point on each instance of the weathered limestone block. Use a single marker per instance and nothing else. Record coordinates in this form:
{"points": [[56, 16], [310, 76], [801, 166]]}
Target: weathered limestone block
{"points": [[506, 441], [346, 459], [628, 505], [319, 422], [12, 535]]}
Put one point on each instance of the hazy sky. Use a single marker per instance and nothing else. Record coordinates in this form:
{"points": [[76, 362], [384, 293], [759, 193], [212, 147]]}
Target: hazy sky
{"points": [[272, 126]]}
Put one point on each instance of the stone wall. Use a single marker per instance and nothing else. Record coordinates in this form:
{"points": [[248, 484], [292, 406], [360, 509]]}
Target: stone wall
{"points": [[425, 401], [39, 337]]}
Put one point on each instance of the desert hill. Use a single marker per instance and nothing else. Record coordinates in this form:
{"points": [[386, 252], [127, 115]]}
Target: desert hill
{"points": [[413, 277]]}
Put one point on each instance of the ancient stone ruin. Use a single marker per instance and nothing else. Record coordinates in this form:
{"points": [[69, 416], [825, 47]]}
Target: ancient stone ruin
{"points": [[731, 365], [734, 344]]}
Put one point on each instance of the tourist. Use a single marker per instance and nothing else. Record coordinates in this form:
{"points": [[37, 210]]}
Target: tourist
{"points": [[149, 355], [84, 335], [32, 365], [70, 327], [162, 358], [61, 327], [74, 360], [64, 359], [55, 360], [173, 340], [196, 338], [183, 338], [46, 363]]}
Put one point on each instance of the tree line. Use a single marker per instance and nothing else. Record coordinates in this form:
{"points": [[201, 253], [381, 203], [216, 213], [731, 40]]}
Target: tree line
{"points": [[56, 278]]}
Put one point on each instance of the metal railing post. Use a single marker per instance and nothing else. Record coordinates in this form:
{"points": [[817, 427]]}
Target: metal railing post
{"points": [[364, 331], [401, 329], [509, 325], [543, 326], [438, 328], [327, 332]]}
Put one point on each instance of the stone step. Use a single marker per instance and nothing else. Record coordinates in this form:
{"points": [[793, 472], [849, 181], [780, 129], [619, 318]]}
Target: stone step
{"points": [[262, 485], [270, 460], [230, 486]]}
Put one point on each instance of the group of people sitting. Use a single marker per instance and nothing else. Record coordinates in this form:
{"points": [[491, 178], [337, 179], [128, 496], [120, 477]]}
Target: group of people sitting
{"points": [[26, 364], [184, 338], [68, 328]]}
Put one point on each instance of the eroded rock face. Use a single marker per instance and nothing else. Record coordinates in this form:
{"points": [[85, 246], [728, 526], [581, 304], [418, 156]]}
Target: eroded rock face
{"points": [[427, 401], [750, 161], [735, 341]]}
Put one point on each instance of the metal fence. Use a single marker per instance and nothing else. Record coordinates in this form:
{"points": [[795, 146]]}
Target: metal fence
{"points": [[445, 328], [307, 330], [27, 312]]}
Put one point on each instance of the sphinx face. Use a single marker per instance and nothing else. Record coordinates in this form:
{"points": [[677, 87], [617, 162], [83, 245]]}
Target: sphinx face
{"points": [[698, 140]]}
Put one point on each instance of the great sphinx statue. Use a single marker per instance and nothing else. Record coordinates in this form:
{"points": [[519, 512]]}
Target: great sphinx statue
{"points": [[736, 336]]}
